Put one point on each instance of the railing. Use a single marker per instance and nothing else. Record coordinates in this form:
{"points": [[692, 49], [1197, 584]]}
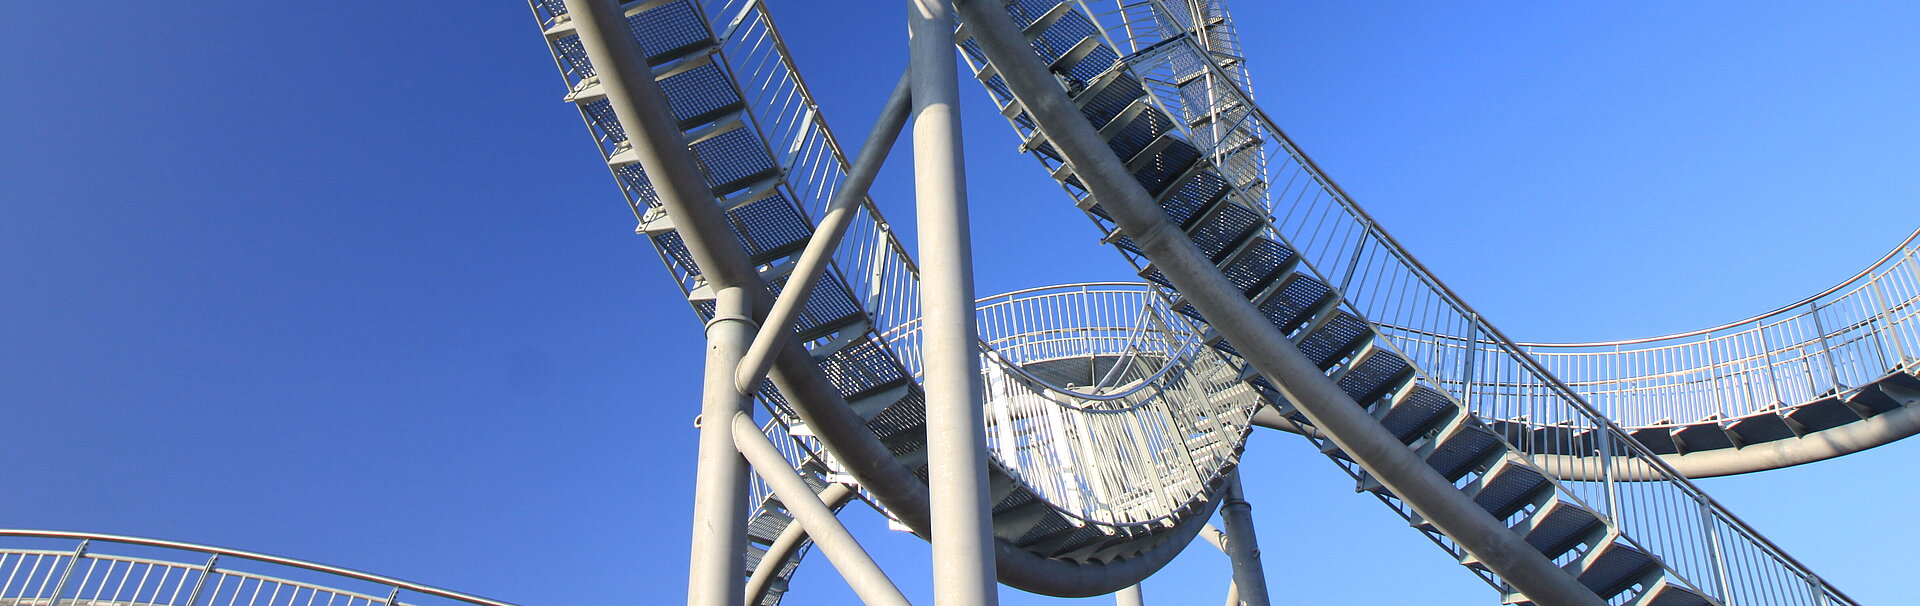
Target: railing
{"points": [[1102, 400], [173, 573], [1701, 543], [1838, 339]]}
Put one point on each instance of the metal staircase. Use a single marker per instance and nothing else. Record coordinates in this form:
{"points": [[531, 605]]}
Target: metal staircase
{"points": [[1169, 99], [771, 163], [1614, 545]]}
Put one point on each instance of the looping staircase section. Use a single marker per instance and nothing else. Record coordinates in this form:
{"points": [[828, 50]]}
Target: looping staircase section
{"points": [[1355, 303], [772, 164], [1830, 374]]}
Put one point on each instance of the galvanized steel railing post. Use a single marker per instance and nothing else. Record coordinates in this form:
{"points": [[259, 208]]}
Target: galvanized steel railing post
{"points": [[73, 561], [1820, 328], [193, 598], [962, 524], [1716, 553]]}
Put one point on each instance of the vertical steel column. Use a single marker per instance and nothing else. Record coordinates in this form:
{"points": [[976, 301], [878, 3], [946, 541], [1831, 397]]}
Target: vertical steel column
{"points": [[1249, 577], [1130, 596], [715, 568], [963, 572]]}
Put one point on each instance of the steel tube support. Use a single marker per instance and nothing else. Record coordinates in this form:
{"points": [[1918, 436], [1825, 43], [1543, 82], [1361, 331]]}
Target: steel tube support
{"points": [[720, 481], [1130, 596], [963, 571], [1249, 577], [812, 262], [1398, 468], [853, 562], [788, 542]]}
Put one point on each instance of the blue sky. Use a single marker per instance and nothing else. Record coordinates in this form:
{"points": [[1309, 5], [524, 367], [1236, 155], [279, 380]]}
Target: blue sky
{"points": [[345, 281]]}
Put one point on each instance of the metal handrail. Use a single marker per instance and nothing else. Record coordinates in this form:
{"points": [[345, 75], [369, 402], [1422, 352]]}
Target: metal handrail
{"points": [[1809, 300], [396, 584]]}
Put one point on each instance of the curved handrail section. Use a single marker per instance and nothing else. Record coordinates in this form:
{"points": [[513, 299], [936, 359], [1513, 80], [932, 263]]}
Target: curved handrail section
{"points": [[1847, 337], [1145, 454], [190, 573]]}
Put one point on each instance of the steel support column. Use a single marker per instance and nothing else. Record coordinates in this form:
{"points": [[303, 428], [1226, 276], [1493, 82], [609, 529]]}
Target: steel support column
{"points": [[720, 481], [963, 572], [1249, 577], [1131, 596], [1350, 427]]}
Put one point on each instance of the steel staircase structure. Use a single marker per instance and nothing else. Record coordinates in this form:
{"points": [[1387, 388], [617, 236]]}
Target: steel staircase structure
{"points": [[770, 162], [1160, 117]]}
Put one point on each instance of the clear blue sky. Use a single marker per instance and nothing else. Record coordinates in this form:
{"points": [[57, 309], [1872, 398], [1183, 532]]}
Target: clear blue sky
{"points": [[345, 280]]}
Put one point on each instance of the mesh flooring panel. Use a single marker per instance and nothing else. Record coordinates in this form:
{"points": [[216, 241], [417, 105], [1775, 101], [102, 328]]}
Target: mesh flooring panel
{"points": [[1192, 196], [1374, 376], [1091, 66], [1225, 227], [601, 113], [1416, 413], [860, 368], [1160, 171], [670, 30], [1136, 135], [1289, 307], [733, 160], [675, 249], [634, 179], [1062, 35], [1255, 266], [770, 227], [575, 56], [700, 95], [1111, 100], [1334, 339]]}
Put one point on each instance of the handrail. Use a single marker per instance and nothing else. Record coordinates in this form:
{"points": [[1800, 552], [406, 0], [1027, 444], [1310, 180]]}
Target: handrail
{"points": [[1891, 253], [255, 556]]}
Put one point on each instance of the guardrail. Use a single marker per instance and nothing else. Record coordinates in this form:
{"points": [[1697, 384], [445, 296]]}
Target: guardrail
{"points": [[171, 572], [1841, 338], [1102, 400]]}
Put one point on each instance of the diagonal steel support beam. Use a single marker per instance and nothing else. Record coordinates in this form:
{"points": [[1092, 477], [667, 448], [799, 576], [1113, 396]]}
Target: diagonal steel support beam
{"points": [[1351, 428], [853, 562], [788, 542], [841, 212]]}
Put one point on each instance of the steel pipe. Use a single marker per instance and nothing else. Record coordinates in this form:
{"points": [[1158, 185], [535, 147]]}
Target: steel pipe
{"points": [[720, 480], [853, 562], [1131, 596], [1249, 577], [956, 423], [1347, 424], [812, 263], [786, 544]]}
